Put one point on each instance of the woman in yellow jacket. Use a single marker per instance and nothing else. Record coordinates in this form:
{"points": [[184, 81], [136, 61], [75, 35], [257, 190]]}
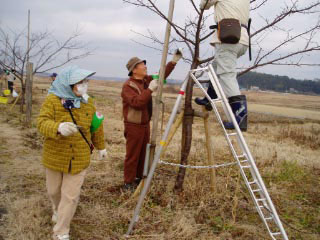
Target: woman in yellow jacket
{"points": [[65, 120]]}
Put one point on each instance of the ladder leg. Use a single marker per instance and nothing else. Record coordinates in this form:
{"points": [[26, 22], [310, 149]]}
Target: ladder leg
{"points": [[173, 131], [254, 170]]}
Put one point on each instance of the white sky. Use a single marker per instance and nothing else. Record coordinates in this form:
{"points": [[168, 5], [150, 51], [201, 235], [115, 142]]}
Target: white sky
{"points": [[107, 26]]}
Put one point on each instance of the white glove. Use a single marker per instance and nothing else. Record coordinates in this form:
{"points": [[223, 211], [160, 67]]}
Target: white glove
{"points": [[67, 129], [103, 154], [153, 86], [177, 55], [204, 6]]}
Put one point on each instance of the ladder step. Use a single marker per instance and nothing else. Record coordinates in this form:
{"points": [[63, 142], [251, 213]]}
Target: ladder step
{"points": [[218, 100], [247, 166], [268, 218], [256, 190], [276, 233], [232, 134], [261, 199], [253, 182], [262, 206], [244, 161], [241, 156]]}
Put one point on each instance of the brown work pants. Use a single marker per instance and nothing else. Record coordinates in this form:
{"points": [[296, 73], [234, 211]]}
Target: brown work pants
{"points": [[64, 192], [137, 137]]}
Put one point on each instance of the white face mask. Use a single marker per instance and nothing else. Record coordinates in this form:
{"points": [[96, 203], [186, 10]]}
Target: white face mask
{"points": [[85, 97], [82, 88]]}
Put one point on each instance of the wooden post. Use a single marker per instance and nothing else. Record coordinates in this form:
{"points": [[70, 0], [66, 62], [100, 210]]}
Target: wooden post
{"points": [[29, 80], [161, 78], [156, 112], [209, 143]]}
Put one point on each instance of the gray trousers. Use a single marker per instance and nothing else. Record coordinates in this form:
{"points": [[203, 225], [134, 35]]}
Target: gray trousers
{"points": [[225, 65]]}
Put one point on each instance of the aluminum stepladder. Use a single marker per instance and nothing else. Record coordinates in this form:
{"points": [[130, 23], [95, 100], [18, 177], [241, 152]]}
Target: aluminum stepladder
{"points": [[245, 161]]}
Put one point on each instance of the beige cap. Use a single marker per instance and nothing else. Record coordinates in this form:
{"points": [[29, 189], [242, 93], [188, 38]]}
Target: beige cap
{"points": [[132, 63]]}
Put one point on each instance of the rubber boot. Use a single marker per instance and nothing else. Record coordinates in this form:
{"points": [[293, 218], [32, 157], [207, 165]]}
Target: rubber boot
{"points": [[239, 108], [204, 101]]}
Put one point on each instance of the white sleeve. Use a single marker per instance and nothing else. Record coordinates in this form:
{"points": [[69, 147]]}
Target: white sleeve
{"points": [[209, 4]]}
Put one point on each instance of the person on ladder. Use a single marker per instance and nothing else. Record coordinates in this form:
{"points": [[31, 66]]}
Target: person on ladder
{"points": [[137, 111], [231, 41]]}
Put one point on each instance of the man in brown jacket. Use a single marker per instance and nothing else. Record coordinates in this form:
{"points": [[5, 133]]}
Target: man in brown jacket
{"points": [[137, 111]]}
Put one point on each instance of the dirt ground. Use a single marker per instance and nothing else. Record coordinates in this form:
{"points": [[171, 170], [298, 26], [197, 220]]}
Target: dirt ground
{"points": [[283, 136]]}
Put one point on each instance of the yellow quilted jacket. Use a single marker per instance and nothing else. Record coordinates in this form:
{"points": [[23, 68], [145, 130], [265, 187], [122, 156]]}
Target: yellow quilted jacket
{"points": [[67, 154]]}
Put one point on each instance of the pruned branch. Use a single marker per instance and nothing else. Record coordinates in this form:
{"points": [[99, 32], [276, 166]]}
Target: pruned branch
{"points": [[152, 7]]}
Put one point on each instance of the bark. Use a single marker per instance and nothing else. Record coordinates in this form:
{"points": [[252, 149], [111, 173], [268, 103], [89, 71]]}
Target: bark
{"points": [[188, 111], [186, 133]]}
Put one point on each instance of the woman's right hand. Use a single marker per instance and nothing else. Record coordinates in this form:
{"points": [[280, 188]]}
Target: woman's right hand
{"points": [[67, 129]]}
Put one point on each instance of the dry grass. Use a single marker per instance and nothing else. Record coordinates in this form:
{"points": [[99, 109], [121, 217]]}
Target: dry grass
{"points": [[286, 151]]}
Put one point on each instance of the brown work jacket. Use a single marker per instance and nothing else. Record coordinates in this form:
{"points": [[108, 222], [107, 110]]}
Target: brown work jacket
{"points": [[137, 99]]}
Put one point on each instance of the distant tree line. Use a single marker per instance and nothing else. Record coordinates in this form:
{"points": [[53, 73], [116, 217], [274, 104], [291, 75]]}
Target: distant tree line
{"points": [[278, 83]]}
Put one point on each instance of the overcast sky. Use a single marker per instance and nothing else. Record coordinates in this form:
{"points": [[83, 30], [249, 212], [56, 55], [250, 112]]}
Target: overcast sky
{"points": [[108, 25]]}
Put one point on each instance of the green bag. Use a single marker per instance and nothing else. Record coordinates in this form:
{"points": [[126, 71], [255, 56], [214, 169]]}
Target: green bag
{"points": [[96, 121]]}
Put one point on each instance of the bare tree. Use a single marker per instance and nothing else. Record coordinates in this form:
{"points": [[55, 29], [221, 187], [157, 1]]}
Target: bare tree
{"points": [[46, 52], [195, 33], [286, 52]]}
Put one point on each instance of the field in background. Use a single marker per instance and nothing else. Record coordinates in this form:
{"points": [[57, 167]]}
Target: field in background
{"points": [[283, 137], [279, 104]]}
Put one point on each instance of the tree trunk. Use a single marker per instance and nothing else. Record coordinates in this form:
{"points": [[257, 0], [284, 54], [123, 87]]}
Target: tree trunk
{"points": [[186, 133]]}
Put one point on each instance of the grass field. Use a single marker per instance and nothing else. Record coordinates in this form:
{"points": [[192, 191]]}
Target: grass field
{"points": [[283, 137]]}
